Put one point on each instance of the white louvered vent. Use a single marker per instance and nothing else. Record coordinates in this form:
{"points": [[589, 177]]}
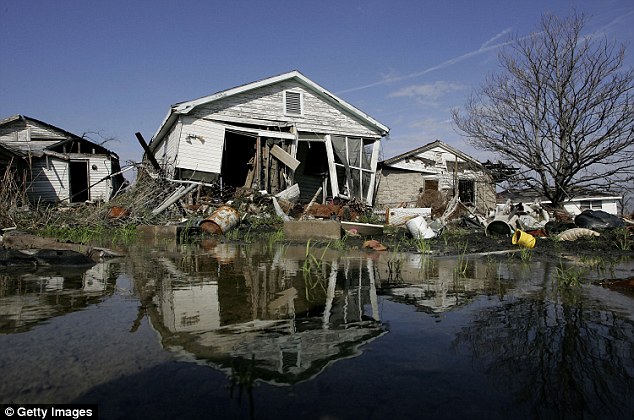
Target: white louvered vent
{"points": [[293, 103]]}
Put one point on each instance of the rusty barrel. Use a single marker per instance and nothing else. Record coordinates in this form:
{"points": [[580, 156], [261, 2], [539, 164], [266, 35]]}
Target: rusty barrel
{"points": [[221, 221]]}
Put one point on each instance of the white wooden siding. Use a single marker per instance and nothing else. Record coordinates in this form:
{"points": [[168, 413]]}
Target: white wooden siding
{"points": [[200, 145], [167, 150], [266, 106], [9, 134], [102, 190], [49, 180], [39, 132]]}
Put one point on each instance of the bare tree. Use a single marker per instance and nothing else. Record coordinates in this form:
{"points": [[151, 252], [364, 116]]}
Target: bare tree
{"points": [[561, 111], [102, 139]]}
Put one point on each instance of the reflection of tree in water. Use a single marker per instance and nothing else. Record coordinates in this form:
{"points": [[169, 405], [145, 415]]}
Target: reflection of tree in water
{"points": [[561, 359]]}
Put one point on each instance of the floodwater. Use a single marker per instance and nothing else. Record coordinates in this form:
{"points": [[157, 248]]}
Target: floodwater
{"points": [[265, 330]]}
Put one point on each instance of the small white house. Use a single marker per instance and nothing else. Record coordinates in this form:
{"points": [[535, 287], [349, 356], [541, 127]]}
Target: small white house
{"points": [[271, 134], [53, 165], [607, 202]]}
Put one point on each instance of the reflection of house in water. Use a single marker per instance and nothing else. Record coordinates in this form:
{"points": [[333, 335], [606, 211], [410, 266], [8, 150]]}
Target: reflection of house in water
{"points": [[286, 324], [27, 299]]}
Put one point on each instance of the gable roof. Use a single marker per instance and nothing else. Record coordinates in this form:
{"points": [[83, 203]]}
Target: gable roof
{"points": [[427, 147], [183, 108], [37, 147]]}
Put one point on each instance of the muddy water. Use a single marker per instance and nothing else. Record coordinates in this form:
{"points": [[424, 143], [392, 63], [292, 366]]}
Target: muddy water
{"points": [[265, 331]]}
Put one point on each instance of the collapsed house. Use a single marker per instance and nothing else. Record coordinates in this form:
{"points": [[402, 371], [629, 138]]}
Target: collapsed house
{"points": [[273, 134], [434, 168], [53, 165]]}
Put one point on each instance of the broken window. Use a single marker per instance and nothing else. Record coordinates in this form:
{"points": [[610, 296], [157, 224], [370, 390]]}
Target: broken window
{"points": [[431, 184], [466, 191], [353, 165]]}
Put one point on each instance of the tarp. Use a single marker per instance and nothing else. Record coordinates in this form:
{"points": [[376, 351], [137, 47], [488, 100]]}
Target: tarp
{"points": [[598, 219]]}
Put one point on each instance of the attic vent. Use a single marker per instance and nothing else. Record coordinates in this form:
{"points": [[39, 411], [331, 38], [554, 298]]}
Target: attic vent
{"points": [[293, 103]]}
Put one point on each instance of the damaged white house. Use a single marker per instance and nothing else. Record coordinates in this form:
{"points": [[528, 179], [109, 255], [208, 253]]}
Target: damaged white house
{"points": [[437, 167], [270, 135], [53, 165]]}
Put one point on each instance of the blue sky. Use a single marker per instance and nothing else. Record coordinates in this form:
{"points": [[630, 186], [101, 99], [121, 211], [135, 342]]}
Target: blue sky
{"points": [[115, 67]]}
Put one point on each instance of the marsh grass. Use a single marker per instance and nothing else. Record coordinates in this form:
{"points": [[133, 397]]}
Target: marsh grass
{"points": [[623, 240], [340, 244], [313, 270], [274, 237], [422, 245], [569, 277], [394, 263], [526, 255], [462, 264]]}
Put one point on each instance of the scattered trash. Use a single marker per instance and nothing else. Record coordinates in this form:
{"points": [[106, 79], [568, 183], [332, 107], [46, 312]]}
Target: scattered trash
{"points": [[576, 233], [419, 229], [117, 212], [362, 229], [400, 215], [598, 219], [279, 211], [375, 245], [554, 227], [523, 239], [221, 221], [500, 226]]}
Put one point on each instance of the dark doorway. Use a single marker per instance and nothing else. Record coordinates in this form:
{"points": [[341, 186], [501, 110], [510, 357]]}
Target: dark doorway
{"points": [[466, 191], [79, 181], [313, 169], [238, 159]]}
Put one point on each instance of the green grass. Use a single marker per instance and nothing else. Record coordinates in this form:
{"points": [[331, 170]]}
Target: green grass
{"points": [[568, 277], [526, 255], [85, 235], [462, 265], [312, 271], [422, 245], [394, 265], [623, 241]]}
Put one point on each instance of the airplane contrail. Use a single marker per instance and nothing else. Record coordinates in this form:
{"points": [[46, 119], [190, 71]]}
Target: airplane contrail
{"points": [[484, 48]]}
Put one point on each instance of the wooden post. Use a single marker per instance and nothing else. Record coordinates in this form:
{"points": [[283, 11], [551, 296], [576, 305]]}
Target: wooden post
{"points": [[455, 176], [266, 165], [258, 163], [149, 154]]}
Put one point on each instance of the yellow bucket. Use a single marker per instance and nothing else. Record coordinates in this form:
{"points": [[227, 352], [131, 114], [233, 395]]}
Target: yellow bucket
{"points": [[524, 239]]}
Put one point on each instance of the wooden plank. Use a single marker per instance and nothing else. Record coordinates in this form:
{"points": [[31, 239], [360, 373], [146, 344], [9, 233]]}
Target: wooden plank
{"points": [[289, 194], [332, 170], [266, 165], [149, 154], [373, 163], [284, 157]]}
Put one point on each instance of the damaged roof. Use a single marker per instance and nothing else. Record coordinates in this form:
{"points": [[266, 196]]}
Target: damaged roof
{"points": [[427, 147], [183, 108], [38, 143]]}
